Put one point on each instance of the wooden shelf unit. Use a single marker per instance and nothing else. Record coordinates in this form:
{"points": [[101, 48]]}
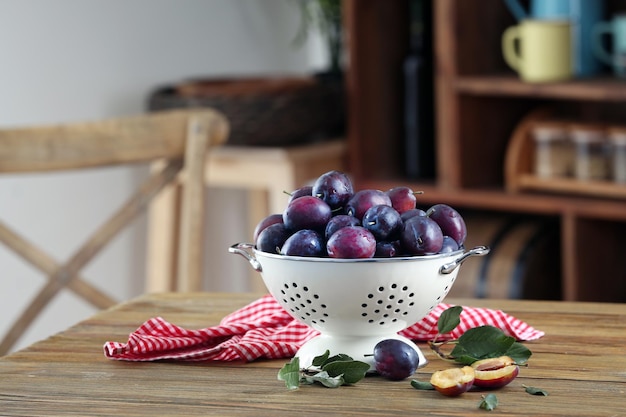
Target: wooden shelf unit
{"points": [[479, 102], [601, 89]]}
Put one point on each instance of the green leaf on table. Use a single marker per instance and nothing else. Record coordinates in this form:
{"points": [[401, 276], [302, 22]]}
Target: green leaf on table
{"points": [[330, 371], [290, 373], [480, 343], [318, 361], [488, 402], [325, 379], [519, 353], [535, 391], [449, 319], [337, 358], [352, 371], [322, 360], [422, 385]]}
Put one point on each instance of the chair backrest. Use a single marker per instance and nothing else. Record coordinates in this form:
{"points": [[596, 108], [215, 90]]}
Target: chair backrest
{"points": [[175, 142]]}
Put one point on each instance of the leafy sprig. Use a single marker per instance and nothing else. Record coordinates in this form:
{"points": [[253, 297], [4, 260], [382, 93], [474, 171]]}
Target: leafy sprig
{"points": [[329, 371], [477, 343]]}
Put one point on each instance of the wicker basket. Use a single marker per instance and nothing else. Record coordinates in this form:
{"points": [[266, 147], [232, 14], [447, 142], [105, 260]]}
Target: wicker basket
{"points": [[265, 111]]}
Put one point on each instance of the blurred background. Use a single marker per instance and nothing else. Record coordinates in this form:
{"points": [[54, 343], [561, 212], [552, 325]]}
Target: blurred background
{"points": [[67, 60], [532, 155]]}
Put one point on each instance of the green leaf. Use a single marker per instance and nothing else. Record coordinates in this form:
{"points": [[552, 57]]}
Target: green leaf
{"points": [[335, 371], [519, 353], [460, 355], [352, 371], [325, 379], [337, 358], [321, 359], [489, 402], [290, 373], [482, 342], [449, 319], [535, 391], [423, 385], [466, 359]]}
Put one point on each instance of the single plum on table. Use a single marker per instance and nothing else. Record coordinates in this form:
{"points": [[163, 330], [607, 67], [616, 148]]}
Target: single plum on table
{"points": [[395, 359], [351, 242]]}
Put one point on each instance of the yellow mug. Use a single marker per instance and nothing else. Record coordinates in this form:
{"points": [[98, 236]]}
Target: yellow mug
{"points": [[539, 50]]}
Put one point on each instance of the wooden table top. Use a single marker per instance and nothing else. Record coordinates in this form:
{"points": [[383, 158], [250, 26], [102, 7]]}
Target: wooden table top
{"points": [[580, 362]]}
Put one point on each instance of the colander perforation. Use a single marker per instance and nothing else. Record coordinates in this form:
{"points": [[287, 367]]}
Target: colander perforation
{"points": [[387, 305], [303, 303]]}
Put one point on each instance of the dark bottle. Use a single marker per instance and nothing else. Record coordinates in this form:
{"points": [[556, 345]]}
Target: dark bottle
{"points": [[419, 115]]}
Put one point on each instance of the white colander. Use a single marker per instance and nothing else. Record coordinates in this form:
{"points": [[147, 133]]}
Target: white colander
{"points": [[356, 303]]}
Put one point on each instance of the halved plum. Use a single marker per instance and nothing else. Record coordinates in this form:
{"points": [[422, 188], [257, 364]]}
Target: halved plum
{"points": [[454, 381], [494, 372]]}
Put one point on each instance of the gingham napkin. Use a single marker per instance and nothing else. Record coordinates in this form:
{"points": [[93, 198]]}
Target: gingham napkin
{"points": [[263, 329]]}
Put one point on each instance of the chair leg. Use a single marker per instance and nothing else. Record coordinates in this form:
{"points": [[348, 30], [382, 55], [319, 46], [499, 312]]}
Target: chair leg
{"points": [[163, 230], [189, 275]]}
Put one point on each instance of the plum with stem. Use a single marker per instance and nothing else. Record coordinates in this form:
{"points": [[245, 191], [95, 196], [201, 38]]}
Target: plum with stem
{"points": [[395, 359], [363, 200], [334, 187]]}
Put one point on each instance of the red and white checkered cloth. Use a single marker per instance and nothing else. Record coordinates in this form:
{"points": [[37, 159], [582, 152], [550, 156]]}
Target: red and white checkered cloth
{"points": [[263, 329]]}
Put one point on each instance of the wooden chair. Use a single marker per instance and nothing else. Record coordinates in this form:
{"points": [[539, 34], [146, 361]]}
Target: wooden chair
{"points": [[174, 142]]}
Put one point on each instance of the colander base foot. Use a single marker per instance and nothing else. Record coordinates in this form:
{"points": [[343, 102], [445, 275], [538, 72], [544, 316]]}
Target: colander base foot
{"points": [[360, 348]]}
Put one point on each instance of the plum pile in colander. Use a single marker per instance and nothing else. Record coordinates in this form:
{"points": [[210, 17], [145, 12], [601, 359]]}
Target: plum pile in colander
{"points": [[331, 219]]}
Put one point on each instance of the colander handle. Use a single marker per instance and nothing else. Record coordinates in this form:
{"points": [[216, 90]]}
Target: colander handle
{"points": [[451, 266], [243, 249]]}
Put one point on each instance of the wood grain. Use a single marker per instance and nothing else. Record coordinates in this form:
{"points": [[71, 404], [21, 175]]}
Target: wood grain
{"points": [[580, 362]]}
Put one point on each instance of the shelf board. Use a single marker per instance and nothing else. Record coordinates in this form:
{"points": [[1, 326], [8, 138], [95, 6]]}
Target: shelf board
{"points": [[593, 89], [519, 202], [572, 186]]}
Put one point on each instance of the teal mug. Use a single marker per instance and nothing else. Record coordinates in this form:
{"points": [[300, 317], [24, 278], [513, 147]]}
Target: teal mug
{"points": [[616, 30]]}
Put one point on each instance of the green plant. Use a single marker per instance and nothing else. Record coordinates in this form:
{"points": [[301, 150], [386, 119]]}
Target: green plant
{"points": [[324, 16]]}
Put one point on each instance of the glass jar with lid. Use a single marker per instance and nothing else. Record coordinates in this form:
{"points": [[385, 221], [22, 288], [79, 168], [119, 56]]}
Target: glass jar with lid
{"points": [[592, 152], [553, 149], [617, 138]]}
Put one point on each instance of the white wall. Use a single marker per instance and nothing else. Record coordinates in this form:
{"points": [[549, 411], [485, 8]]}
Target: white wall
{"points": [[67, 60]]}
